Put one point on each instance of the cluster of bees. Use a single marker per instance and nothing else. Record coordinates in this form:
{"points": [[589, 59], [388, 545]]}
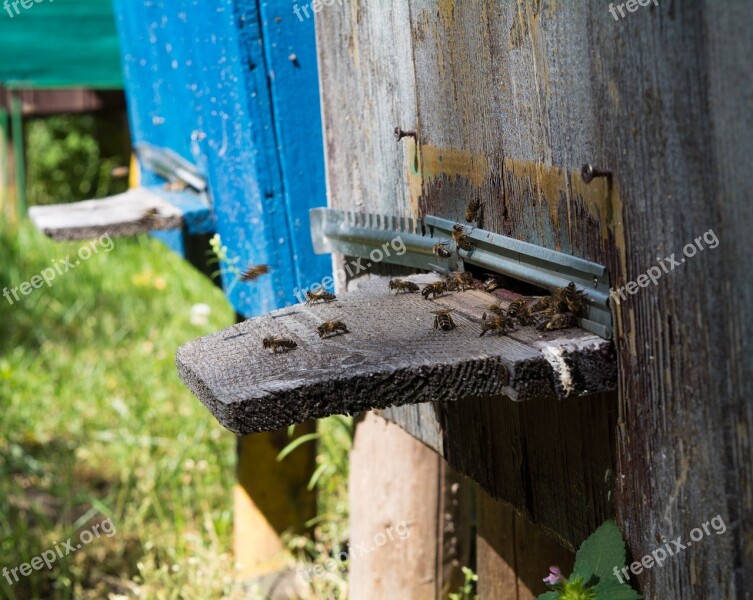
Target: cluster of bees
{"points": [[558, 311], [325, 330]]}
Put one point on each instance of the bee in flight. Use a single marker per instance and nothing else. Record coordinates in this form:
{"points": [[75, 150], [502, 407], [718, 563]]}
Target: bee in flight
{"points": [[403, 286], [278, 344], [556, 321], [443, 320], [440, 250], [461, 238], [434, 289], [473, 210], [319, 296], [328, 328], [459, 281], [498, 324], [253, 272]]}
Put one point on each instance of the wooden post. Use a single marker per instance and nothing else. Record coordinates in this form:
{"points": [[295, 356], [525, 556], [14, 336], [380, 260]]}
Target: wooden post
{"points": [[409, 517]]}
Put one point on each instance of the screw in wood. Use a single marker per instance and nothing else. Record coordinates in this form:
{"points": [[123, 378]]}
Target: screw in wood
{"points": [[588, 172], [401, 133]]}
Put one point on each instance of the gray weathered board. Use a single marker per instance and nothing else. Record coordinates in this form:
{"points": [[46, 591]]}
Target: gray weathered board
{"points": [[121, 215], [391, 356]]}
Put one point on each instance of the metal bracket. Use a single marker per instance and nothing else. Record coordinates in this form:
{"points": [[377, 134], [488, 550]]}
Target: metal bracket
{"points": [[359, 234]]}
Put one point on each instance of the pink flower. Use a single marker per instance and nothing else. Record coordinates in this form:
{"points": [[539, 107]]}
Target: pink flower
{"points": [[554, 576]]}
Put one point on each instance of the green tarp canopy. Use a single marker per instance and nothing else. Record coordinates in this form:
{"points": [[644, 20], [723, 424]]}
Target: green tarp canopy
{"points": [[58, 44]]}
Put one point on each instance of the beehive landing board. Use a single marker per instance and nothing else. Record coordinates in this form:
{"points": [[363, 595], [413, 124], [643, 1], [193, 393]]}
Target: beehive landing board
{"points": [[391, 356], [119, 216]]}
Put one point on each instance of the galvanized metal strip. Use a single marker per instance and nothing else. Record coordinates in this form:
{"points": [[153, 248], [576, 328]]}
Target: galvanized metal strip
{"points": [[356, 235]]}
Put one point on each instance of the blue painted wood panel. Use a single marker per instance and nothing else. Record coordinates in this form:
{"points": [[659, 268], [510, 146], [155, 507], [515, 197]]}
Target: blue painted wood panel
{"points": [[214, 81]]}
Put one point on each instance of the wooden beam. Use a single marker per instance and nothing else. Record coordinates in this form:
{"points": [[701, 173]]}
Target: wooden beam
{"points": [[392, 355]]}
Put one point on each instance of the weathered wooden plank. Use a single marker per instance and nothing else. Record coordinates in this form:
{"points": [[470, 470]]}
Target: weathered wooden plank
{"points": [[391, 356], [126, 214]]}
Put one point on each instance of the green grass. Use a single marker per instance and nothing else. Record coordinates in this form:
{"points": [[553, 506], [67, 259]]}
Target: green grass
{"points": [[96, 424], [96, 421]]}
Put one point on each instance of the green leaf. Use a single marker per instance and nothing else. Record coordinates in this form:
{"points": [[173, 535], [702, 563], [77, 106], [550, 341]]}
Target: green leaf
{"points": [[601, 553], [612, 589], [297, 442], [549, 596]]}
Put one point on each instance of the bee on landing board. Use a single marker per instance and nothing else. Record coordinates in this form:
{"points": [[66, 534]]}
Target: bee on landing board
{"points": [[556, 321], [403, 286], [443, 320], [440, 250], [495, 309], [472, 212], [459, 281], [319, 296], [493, 282], [278, 344], [519, 309], [460, 237], [329, 328], [498, 324], [149, 216], [572, 298], [253, 272], [434, 289]]}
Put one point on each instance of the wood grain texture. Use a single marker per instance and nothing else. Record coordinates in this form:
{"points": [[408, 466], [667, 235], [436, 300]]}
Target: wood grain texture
{"points": [[512, 98], [391, 356], [119, 216]]}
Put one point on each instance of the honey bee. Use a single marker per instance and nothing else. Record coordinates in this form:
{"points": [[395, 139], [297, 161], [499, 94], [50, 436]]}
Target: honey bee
{"points": [[149, 216], [457, 281], [461, 238], [403, 286], [278, 343], [175, 186], [572, 298], [520, 310], [332, 327], [495, 309], [440, 250], [443, 320], [434, 289], [556, 321], [492, 283], [542, 304], [319, 295], [253, 272], [471, 213], [498, 324]]}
